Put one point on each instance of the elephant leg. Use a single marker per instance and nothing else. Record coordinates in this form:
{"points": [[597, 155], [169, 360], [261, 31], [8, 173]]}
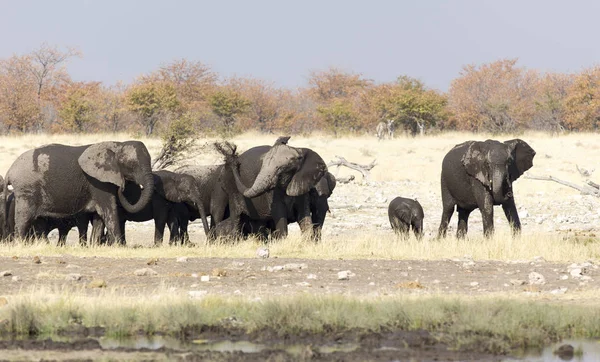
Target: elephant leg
{"points": [[159, 231], [174, 230], [447, 211], [23, 218], [183, 232], [510, 210], [63, 232], [463, 222], [97, 236], [115, 228], [485, 203], [82, 228]]}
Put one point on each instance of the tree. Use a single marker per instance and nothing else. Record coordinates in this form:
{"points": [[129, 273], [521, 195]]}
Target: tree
{"points": [[339, 116], [583, 101], [112, 107], [408, 102], [78, 109], [152, 102], [333, 83], [265, 102], [497, 97], [228, 104], [550, 102], [19, 107]]}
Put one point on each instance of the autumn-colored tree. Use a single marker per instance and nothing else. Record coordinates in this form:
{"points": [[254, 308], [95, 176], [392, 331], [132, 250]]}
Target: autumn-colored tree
{"points": [[19, 106], [78, 109], [339, 116], [583, 101], [228, 104], [497, 97], [408, 102], [265, 103], [152, 102], [334, 83], [550, 102], [112, 105]]}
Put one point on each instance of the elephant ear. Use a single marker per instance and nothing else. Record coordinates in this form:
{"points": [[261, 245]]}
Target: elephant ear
{"points": [[1, 184], [312, 170], [522, 155], [326, 185], [100, 161], [283, 140], [169, 184], [476, 164]]}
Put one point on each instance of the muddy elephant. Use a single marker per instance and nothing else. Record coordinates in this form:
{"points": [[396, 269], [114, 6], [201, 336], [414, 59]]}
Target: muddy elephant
{"points": [[479, 175], [60, 181], [173, 193], [405, 214], [276, 174]]}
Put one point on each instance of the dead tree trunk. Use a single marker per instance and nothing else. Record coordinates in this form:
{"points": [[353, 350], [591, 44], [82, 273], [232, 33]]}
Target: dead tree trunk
{"points": [[590, 188], [363, 169]]}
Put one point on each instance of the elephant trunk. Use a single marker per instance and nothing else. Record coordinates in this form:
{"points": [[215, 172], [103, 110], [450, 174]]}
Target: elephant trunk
{"points": [[262, 183], [499, 183], [147, 183], [200, 206]]}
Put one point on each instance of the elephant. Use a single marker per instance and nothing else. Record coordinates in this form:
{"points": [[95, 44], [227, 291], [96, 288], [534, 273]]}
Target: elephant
{"points": [[406, 213], [173, 192], [61, 181], [479, 175], [277, 174]]}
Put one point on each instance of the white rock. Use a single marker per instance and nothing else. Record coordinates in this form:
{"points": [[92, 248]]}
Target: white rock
{"points": [[539, 259], [536, 279], [517, 282], [523, 213], [5, 273], [205, 278], [16, 278], [586, 278], [73, 277], [344, 275], [237, 292], [539, 220], [303, 284], [145, 272], [436, 281], [474, 284], [311, 276], [576, 273], [468, 264], [262, 253], [295, 266], [562, 290], [197, 293], [564, 277], [194, 275], [182, 259], [372, 283]]}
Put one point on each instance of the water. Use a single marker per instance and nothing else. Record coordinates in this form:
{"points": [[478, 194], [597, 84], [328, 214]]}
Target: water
{"points": [[585, 351]]}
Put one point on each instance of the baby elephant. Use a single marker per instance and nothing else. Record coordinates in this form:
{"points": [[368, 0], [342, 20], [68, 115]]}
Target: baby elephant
{"points": [[403, 214]]}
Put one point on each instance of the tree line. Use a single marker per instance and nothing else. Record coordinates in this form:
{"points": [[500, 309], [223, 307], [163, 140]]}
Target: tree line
{"points": [[37, 94]]}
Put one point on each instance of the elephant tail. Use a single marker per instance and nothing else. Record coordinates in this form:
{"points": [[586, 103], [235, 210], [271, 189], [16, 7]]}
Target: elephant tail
{"points": [[229, 152]]}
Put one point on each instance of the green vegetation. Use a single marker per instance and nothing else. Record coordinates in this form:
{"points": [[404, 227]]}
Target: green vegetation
{"points": [[488, 325]]}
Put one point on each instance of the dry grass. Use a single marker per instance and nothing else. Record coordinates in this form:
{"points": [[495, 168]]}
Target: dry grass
{"points": [[382, 245]]}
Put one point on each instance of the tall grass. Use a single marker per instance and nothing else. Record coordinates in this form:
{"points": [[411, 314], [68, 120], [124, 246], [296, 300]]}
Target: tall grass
{"points": [[496, 325]]}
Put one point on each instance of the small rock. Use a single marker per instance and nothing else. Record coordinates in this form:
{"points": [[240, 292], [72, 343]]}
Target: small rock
{"points": [[194, 275], [218, 272], [474, 284], [205, 278], [197, 293], [3, 301], [5, 273], [562, 290], [468, 264], [182, 259], [539, 259], [523, 213], [577, 272], [536, 279], [311, 276], [145, 272], [372, 283], [295, 266], [37, 260], [436, 281], [97, 283], [72, 266], [344, 275], [517, 282], [586, 278], [237, 292], [303, 284], [565, 352], [539, 220], [152, 261], [564, 277], [73, 277], [262, 253], [16, 278]]}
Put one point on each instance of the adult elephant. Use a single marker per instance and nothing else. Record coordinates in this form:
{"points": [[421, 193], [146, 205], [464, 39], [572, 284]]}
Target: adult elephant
{"points": [[60, 181], [173, 192], [276, 175], [479, 175]]}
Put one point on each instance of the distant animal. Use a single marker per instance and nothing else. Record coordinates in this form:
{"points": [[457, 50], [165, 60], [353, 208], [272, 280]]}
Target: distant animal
{"points": [[479, 175], [406, 213], [385, 129]]}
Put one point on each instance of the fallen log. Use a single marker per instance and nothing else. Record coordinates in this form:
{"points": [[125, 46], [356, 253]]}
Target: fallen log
{"points": [[363, 169], [345, 180], [358, 206], [585, 189]]}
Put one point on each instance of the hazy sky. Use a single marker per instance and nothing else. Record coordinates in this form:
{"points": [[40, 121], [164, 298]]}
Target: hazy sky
{"points": [[282, 40]]}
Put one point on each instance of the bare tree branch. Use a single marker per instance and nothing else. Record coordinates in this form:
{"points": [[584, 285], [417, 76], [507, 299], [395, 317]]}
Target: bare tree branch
{"points": [[585, 189], [363, 169]]}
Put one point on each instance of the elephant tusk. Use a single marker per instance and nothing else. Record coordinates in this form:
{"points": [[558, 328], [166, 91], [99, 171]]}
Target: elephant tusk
{"points": [[10, 187], [141, 186]]}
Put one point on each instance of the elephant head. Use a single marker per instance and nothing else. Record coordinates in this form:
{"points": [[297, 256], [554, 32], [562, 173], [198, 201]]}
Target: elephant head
{"points": [[319, 206], [181, 188], [295, 169], [498, 164], [118, 162]]}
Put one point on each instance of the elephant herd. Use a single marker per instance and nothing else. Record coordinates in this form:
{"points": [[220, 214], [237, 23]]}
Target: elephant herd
{"points": [[258, 192], [108, 183]]}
